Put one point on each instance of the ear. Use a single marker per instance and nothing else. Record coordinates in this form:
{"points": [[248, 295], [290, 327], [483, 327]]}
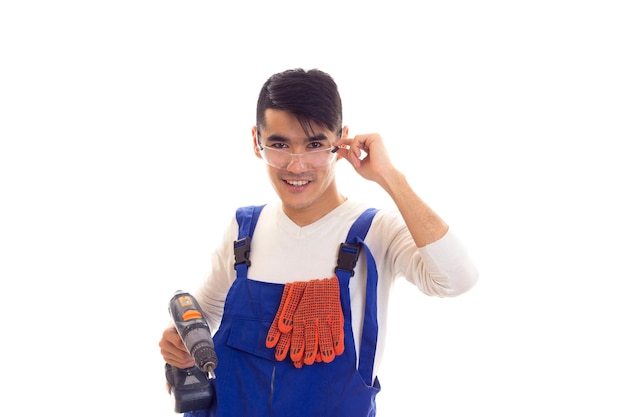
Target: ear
{"points": [[255, 142], [344, 134]]}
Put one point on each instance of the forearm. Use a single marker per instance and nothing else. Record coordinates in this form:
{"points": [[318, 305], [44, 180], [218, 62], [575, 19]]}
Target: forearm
{"points": [[424, 224]]}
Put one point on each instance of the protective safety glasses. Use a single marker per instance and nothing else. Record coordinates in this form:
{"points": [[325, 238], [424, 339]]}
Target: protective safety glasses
{"points": [[313, 159]]}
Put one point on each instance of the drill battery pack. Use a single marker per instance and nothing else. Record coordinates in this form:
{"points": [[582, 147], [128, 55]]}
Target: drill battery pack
{"points": [[190, 388]]}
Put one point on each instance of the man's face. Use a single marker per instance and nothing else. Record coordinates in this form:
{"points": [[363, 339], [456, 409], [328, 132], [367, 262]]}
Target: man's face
{"points": [[304, 182]]}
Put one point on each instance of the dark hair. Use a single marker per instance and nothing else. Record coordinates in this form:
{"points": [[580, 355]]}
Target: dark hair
{"points": [[311, 96]]}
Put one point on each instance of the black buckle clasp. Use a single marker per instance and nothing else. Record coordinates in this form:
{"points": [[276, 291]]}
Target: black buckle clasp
{"points": [[348, 255], [242, 251]]}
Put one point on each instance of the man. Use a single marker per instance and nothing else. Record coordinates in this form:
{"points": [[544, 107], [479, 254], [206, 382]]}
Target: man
{"points": [[301, 326]]}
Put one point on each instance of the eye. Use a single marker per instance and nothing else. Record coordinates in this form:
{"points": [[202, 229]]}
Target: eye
{"points": [[277, 145], [318, 145]]}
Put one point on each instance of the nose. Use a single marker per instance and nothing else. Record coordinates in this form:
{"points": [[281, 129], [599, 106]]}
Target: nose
{"points": [[296, 164]]}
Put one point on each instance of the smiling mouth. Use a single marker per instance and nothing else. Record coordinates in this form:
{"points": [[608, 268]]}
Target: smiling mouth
{"points": [[297, 183]]}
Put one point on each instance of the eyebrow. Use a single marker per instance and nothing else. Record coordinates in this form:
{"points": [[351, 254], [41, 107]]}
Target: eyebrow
{"points": [[282, 139]]}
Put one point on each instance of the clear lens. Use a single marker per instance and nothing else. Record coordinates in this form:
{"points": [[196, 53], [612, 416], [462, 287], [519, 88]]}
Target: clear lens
{"points": [[318, 158]]}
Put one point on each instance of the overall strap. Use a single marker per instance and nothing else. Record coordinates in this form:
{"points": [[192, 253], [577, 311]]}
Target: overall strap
{"points": [[346, 262], [247, 218]]}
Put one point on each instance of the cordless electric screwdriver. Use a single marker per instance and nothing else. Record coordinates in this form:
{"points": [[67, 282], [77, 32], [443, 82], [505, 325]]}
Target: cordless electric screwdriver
{"points": [[191, 388]]}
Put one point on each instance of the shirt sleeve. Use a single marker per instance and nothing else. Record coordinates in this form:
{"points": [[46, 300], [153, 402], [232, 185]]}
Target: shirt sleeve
{"points": [[448, 266], [213, 290], [442, 268]]}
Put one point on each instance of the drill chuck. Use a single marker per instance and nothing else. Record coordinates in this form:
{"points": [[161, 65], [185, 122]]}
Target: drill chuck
{"points": [[205, 357]]}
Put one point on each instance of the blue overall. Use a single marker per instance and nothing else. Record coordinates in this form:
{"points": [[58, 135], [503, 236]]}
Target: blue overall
{"points": [[250, 382]]}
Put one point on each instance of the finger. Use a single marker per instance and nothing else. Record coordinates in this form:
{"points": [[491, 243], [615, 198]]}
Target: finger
{"points": [[281, 306], [336, 319], [171, 341], [342, 145], [350, 150], [327, 351], [178, 358], [282, 347], [273, 334], [297, 342], [345, 152], [173, 350], [285, 323], [359, 147], [311, 341], [338, 341]]}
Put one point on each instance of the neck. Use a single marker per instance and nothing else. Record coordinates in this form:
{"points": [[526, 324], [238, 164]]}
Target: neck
{"points": [[304, 216]]}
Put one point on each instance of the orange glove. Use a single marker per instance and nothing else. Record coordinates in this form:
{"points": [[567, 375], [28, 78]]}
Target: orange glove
{"points": [[279, 334], [318, 323]]}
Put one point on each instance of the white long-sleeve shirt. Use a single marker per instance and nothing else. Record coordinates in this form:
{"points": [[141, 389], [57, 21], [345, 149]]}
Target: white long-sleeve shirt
{"points": [[282, 251]]}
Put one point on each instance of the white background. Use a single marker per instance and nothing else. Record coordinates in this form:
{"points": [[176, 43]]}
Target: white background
{"points": [[125, 146]]}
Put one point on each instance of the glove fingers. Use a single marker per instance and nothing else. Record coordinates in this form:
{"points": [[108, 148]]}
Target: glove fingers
{"points": [[338, 344], [297, 341], [273, 333], [303, 313], [336, 319], [327, 351], [307, 314], [337, 334], [296, 289], [313, 311], [282, 347], [311, 341]]}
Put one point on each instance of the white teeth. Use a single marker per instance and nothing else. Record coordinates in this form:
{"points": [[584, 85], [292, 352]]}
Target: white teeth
{"points": [[297, 183]]}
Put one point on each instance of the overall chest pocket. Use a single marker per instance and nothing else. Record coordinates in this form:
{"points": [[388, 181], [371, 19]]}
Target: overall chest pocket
{"points": [[249, 336]]}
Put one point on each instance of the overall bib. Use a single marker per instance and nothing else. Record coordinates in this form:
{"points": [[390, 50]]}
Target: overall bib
{"points": [[250, 382]]}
